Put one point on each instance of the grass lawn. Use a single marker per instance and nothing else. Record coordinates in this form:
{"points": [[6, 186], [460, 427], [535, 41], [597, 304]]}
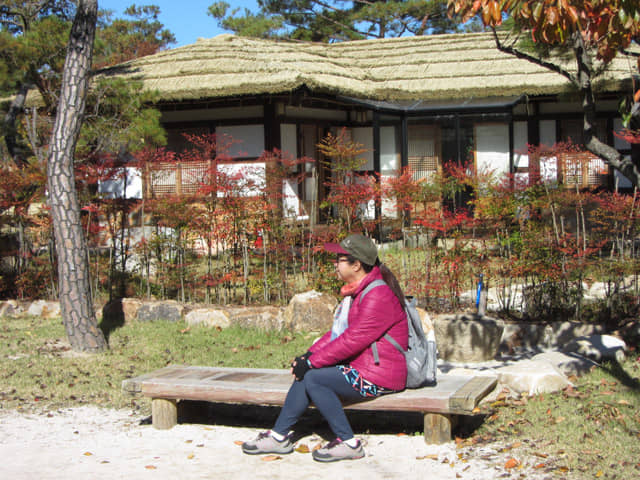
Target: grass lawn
{"points": [[589, 431]]}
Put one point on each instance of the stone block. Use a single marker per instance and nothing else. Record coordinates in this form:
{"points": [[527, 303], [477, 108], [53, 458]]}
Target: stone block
{"points": [[467, 338], [208, 317], [597, 347], [568, 363], [310, 312], [532, 377], [10, 308], [266, 317], [425, 320], [119, 311], [565, 332], [44, 309], [166, 310]]}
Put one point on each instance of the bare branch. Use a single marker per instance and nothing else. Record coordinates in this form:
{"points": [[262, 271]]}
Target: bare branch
{"points": [[538, 61]]}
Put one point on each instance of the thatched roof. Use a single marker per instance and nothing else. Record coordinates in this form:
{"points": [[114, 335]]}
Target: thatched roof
{"points": [[427, 68]]}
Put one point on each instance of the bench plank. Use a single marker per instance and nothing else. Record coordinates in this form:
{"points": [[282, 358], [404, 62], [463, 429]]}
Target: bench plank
{"points": [[453, 395]]}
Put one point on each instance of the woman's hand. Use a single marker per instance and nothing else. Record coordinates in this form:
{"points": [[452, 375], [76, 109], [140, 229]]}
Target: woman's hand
{"points": [[301, 366]]}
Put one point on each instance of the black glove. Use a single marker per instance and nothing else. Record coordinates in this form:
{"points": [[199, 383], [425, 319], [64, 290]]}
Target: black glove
{"points": [[301, 366]]}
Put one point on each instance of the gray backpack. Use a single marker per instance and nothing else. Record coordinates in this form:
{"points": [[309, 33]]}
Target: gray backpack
{"points": [[421, 356]]}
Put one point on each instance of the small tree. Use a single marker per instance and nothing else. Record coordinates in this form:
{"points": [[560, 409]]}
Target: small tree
{"points": [[592, 31]]}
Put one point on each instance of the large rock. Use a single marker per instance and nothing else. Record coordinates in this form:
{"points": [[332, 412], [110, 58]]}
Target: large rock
{"points": [[120, 311], [568, 363], [10, 308], [598, 347], [565, 332], [208, 317], [165, 310], [425, 320], [532, 377], [266, 317], [630, 333], [44, 309], [544, 336], [310, 312], [467, 338]]}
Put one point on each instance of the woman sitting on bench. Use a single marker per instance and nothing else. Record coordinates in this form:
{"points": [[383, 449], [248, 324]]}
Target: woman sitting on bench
{"points": [[341, 365]]}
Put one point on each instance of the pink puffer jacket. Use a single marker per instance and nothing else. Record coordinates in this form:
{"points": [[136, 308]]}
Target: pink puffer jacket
{"points": [[378, 313]]}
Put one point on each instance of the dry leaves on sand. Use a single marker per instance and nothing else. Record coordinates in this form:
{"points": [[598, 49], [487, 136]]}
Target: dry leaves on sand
{"points": [[271, 458]]}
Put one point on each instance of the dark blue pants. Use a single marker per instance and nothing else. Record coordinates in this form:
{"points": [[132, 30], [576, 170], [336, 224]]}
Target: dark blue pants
{"points": [[325, 387]]}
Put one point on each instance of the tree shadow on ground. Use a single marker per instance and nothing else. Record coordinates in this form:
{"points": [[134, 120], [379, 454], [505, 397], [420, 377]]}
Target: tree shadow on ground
{"points": [[616, 370], [112, 318]]}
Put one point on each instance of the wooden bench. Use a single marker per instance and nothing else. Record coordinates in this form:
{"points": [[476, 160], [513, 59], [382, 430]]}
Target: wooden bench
{"points": [[453, 395]]}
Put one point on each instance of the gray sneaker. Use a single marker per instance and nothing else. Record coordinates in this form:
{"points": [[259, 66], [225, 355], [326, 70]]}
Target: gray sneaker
{"points": [[338, 450], [265, 443]]}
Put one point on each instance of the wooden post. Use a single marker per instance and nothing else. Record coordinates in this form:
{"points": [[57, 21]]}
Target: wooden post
{"points": [[437, 428], [164, 413]]}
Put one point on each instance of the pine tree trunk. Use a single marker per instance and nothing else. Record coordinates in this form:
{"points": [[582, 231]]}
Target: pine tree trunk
{"points": [[76, 305]]}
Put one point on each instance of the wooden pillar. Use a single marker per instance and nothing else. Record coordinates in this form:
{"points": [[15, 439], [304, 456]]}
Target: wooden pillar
{"points": [[437, 428], [179, 179], [164, 413]]}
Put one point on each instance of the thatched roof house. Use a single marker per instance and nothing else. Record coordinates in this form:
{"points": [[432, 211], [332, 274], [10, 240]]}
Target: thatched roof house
{"points": [[411, 101]]}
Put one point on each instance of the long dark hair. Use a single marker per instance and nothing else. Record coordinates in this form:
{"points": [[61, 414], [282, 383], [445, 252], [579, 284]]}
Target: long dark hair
{"points": [[387, 275]]}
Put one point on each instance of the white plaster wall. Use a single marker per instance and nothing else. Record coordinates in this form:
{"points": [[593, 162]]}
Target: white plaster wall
{"points": [[492, 148]]}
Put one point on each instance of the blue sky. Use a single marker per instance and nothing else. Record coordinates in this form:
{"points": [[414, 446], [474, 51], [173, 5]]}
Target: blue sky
{"points": [[186, 19]]}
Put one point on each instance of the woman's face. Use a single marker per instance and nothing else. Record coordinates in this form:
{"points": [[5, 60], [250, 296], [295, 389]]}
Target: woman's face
{"points": [[347, 272]]}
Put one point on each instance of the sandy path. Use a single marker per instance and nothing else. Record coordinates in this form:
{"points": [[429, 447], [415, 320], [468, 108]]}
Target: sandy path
{"points": [[89, 443]]}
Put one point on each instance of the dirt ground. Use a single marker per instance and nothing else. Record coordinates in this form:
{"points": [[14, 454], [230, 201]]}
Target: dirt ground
{"points": [[92, 443]]}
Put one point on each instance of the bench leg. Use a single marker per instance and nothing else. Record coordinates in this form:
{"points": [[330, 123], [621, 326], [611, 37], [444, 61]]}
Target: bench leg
{"points": [[164, 413], [437, 428]]}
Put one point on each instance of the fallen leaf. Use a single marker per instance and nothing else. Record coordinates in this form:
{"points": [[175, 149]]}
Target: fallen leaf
{"points": [[150, 467], [511, 463], [623, 402], [516, 444], [87, 454], [271, 458], [303, 448], [188, 441], [540, 465], [238, 442], [475, 410], [190, 456], [560, 419], [433, 456], [401, 434], [541, 455], [599, 473], [185, 330], [105, 461]]}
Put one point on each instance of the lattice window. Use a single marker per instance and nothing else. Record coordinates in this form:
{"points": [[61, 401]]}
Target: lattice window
{"points": [[177, 178], [423, 153], [583, 169]]}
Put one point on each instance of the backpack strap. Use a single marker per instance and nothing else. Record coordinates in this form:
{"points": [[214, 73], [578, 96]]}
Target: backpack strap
{"points": [[389, 338], [376, 283]]}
